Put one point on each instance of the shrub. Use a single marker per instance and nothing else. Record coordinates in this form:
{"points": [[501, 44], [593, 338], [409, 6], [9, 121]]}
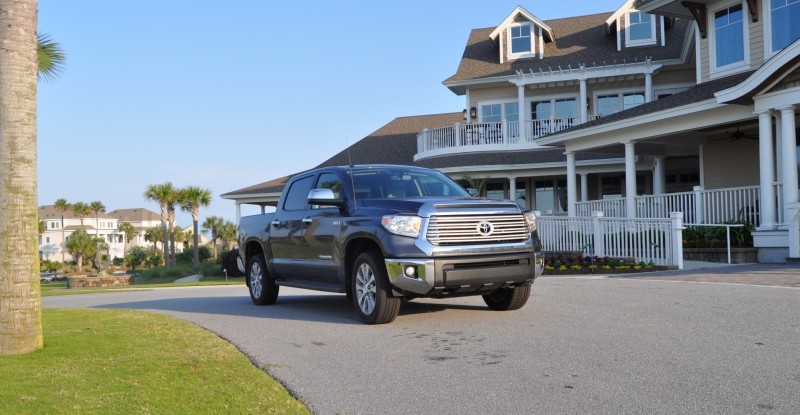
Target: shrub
{"points": [[228, 261], [188, 254], [49, 266]]}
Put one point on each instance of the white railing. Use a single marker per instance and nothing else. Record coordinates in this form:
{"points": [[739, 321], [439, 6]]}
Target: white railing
{"points": [[656, 240], [614, 208], [466, 135], [699, 206], [546, 126]]}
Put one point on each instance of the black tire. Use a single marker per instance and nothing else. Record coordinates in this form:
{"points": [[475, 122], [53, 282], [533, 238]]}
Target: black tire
{"points": [[370, 290], [506, 299], [263, 290]]}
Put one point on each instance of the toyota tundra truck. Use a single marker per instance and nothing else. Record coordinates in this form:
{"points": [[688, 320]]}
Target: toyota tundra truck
{"points": [[384, 234]]}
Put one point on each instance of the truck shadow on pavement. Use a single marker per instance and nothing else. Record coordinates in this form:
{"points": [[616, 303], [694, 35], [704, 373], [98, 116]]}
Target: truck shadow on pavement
{"points": [[317, 308]]}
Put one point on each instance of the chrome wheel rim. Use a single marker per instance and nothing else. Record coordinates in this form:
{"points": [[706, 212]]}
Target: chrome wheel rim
{"points": [[255, 279], [365, 289]]}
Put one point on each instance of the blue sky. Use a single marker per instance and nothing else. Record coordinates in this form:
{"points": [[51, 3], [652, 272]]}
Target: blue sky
{"points": [[228, 96]]}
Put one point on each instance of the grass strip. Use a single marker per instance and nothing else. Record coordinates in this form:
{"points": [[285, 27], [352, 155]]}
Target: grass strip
{"points": [[121, 361], [60, 288]]}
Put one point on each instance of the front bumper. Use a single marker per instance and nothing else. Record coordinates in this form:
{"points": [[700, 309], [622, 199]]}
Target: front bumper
{"points": [[463, 274]]}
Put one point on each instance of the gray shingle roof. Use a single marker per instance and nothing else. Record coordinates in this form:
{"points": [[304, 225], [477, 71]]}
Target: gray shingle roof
{"points": [[579, 40]]}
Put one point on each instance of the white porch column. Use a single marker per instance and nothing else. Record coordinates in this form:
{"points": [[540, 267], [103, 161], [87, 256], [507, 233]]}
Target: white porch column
{"points": [[630, 180], [572, 194], [789, 152], [659, 176], [512, 188], [778, 146], [238, 212], [582, 103], [469, 119], [648, 87], [766, 169], [584, 187], [700, 157], [523, 135]]}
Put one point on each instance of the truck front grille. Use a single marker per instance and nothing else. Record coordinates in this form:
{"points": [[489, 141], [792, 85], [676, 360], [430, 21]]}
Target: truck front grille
{"points": [[477, 229]]}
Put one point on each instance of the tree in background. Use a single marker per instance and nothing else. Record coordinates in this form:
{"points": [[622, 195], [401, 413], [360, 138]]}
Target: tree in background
{"points": [[20, 300], [191, 198], [62, 206], [50, 57], [162, 193], [42, 227], [129, 231], [81, 245], [80, 210], [213, 224], [97, 207], [154, 235], [228, 233]]}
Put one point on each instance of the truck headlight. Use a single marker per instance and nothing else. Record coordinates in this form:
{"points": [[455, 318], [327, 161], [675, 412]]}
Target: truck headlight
{"points": [[530, 218], [402, 225]]}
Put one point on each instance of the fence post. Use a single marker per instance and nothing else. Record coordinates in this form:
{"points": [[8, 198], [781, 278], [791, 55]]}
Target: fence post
{"points": [[677, 238], [698, 204], [598, 237], [458, 135]]}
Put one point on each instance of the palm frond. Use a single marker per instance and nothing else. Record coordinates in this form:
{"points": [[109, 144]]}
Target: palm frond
{"points": [[50, 56]]}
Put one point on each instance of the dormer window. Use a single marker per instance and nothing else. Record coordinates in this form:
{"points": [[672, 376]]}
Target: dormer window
{"points": [[521, 40], [641, 29], [784, 19]]}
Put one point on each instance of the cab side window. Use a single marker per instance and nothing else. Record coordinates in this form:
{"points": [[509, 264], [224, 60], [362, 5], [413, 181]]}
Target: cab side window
{"points": [[329, 181], [297, 197]]}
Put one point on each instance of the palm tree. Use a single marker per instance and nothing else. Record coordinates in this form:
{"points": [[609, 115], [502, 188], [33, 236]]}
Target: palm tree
{"points": [[213, 224], [154, 235], [162, 193], [97, 207], [62, 206], [81, 245], [191, 199], [129, 231], [171, 218], [227, 232], [50, 57], [80, 210], [20, 308]]}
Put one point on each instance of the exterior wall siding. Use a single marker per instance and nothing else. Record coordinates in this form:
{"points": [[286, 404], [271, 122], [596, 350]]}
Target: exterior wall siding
{"points": [[731, 164]]}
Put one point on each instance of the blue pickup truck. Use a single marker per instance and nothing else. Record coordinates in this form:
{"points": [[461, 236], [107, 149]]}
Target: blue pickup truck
{"points": [[382, 234]]}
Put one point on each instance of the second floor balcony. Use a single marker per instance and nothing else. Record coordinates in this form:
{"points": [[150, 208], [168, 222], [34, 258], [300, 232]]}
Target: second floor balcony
{"points": [[460, 138]]}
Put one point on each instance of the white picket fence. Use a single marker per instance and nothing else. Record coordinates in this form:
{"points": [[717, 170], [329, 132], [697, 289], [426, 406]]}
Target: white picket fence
{"points": [[656, 240]]}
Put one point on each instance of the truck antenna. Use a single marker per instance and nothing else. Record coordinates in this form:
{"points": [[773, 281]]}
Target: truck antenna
{"points": [[352, 179]]}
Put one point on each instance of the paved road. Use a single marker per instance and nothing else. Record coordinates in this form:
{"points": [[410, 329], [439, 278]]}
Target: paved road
{"points": [[581, 346]]}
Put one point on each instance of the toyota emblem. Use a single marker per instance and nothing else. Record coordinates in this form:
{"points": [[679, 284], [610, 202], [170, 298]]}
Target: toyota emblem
{"points": [[485, 228]]}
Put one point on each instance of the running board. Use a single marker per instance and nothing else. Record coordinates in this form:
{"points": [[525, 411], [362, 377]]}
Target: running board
{"points": [[312, 285]]}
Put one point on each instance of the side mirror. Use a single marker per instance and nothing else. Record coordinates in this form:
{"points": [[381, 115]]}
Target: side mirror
{"points": [[324, 197], [472, 192]]}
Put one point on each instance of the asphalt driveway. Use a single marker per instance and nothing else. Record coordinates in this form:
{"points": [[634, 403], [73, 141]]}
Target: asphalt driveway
{"points": [[582, 345]]}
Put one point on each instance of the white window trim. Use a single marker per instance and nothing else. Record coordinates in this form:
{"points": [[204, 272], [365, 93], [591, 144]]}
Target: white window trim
{"points": [[639, 42], [532, 53], [767, 16], [502, 103], [620, 93], [731, 68], [552, 99]]}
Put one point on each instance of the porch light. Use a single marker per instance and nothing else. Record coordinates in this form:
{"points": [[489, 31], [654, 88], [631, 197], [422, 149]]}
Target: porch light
{"points": [[473, 113]]}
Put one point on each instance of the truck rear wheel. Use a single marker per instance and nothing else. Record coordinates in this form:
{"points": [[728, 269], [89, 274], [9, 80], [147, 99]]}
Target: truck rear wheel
{"points": [[506, 299], [371, 292], [263, 290]]}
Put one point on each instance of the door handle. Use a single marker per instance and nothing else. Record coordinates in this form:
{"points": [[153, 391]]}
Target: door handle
{"points": [[307, 221], [276, 223]]}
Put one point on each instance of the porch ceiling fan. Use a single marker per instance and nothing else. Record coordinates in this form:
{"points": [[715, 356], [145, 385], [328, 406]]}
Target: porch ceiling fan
{"points": [[736, 135]]}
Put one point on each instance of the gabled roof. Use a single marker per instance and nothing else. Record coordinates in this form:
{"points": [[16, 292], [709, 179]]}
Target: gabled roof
{"points": [[394, 143], [612, 20], [50, 212], [581, 40], [520, 11]]}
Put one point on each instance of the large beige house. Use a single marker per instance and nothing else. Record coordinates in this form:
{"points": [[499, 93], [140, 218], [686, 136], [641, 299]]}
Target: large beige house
{"points": [[659, 106]]}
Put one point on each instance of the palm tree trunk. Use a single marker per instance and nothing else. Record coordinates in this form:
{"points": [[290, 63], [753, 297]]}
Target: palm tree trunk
{"points": [[63, 242], [20, 301], [196, 238]]}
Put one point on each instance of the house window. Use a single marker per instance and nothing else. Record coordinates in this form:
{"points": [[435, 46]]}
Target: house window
{"points": [[641, 29], [729, 36], [632, 100], [498, 112], [47, 240], [609, 104], [495, 191], [521, 39], [785, 21], [558, 108]]}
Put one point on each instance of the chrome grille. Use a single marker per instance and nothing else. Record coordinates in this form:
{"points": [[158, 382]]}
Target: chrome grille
{"points": [[464, 229]]}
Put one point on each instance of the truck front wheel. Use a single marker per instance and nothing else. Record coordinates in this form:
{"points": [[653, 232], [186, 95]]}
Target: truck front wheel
{"points": [[371, 292], [263, 290], [506, 299]]}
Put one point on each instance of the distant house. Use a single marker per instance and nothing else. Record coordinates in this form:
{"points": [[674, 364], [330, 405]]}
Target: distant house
{"points": [[51, 244], [656, 107], [142, 219]]}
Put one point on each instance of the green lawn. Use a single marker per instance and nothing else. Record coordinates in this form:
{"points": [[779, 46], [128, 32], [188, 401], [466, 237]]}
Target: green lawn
{"points": [[122, 361], [60, 288]]}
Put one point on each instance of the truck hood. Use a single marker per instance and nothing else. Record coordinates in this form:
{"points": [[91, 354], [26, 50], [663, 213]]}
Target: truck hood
{"points": [[427, 206]]}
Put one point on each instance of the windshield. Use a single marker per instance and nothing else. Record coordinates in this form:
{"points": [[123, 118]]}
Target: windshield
{"points": [[403, 182]]}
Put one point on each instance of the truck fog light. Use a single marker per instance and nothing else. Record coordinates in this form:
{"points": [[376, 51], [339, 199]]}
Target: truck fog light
{"points": [[411, 271]]}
